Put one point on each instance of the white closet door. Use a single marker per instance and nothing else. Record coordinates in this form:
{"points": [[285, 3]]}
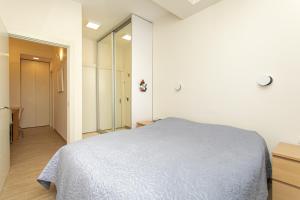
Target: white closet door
{"points": [[119, 100], [42, 85], [35, 95], [127, 99], [105, 99], [28, 93]]}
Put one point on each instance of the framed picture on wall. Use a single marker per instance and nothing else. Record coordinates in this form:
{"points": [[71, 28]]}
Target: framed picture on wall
{"points": [[60, 80]]}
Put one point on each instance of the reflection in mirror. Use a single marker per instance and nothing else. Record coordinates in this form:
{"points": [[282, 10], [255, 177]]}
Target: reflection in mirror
{"points": [[114, 81], [123, 78], [105, 85]]}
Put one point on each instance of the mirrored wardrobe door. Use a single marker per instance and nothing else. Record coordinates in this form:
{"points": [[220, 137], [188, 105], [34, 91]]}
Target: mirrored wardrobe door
{"points": [[123, 39], [105, 86]]}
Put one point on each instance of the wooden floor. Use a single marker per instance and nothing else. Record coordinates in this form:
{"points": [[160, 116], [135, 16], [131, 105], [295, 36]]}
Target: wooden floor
{"points": [[29, 156]]}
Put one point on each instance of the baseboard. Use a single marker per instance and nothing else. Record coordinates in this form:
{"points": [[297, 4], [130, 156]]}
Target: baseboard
{"points": [[90, 132], [36, 127]]}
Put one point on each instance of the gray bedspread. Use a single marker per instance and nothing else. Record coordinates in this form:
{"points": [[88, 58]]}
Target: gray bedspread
{"points": [[171, 159]]}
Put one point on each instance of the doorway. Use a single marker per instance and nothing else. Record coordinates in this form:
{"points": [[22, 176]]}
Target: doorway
{"points": [[38, 86]]}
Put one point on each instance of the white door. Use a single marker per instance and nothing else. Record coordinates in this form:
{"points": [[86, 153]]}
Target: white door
{"points": [[4, 102], [35, 93], [42, 81], [105, 99], [28, 93]]}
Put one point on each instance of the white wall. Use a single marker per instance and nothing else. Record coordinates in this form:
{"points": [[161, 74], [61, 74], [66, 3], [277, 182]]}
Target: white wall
{"points": [[142, 32], [56, 21], [60, 98], [89, 52], [4, 101], [89, 116], [219, 53]]}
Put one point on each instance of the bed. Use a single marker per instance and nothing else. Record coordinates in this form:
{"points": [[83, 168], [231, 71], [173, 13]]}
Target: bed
{"points": [[170, 159]]}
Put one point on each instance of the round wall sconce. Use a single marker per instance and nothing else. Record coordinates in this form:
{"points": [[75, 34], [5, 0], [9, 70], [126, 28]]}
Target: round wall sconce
{"points": [[178, 88], [265, 81]]}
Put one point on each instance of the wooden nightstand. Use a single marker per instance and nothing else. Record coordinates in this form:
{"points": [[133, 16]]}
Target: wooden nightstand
{"points": [[286, 172], [144, 123]]}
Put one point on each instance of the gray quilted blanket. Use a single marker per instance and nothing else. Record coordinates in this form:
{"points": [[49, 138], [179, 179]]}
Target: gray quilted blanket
{"points": [[171, 159]]}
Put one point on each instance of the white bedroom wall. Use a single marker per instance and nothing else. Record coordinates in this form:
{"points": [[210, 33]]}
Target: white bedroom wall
{"points": [[219, 53], [4, 114], [59, 22], [142, 46], [89, 116]]}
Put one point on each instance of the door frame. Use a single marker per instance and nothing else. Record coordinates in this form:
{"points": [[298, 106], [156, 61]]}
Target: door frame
{"points": [[69, 47]]}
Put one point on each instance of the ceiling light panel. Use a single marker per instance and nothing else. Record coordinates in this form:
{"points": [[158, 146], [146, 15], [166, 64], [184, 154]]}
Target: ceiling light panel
{"points": [[127, 37], [193, 2], [92, 25]]}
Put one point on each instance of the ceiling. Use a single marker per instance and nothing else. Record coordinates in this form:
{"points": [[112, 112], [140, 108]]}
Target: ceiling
{"points": [[183, 8], [109, 13]]}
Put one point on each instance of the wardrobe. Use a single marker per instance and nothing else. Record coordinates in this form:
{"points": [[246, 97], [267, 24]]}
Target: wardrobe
{"points": [[35, 93], [124, 75]]}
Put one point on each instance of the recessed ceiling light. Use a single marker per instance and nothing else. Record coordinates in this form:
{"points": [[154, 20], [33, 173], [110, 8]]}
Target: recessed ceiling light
{"points": [[93, 25], [127, 37], [36, 58], [193, 2]]}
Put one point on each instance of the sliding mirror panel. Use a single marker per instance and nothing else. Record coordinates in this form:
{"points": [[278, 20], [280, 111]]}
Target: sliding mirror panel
{"points": [[123, 77], [105, 86]]}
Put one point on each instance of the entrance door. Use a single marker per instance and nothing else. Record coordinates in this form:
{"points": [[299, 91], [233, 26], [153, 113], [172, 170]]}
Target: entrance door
{"points": [[35, 93], [4, 103]]}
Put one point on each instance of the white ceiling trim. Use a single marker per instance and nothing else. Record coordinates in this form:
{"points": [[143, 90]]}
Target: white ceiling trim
{"points": [[110, 13], [184, 8]]}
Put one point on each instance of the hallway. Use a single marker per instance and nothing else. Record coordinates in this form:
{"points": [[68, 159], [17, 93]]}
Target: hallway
{"points": [[29, 156]]}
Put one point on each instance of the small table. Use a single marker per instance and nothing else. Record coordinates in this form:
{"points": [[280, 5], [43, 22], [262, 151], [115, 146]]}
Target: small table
{"points": [[286, 172], [144, 123]]}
